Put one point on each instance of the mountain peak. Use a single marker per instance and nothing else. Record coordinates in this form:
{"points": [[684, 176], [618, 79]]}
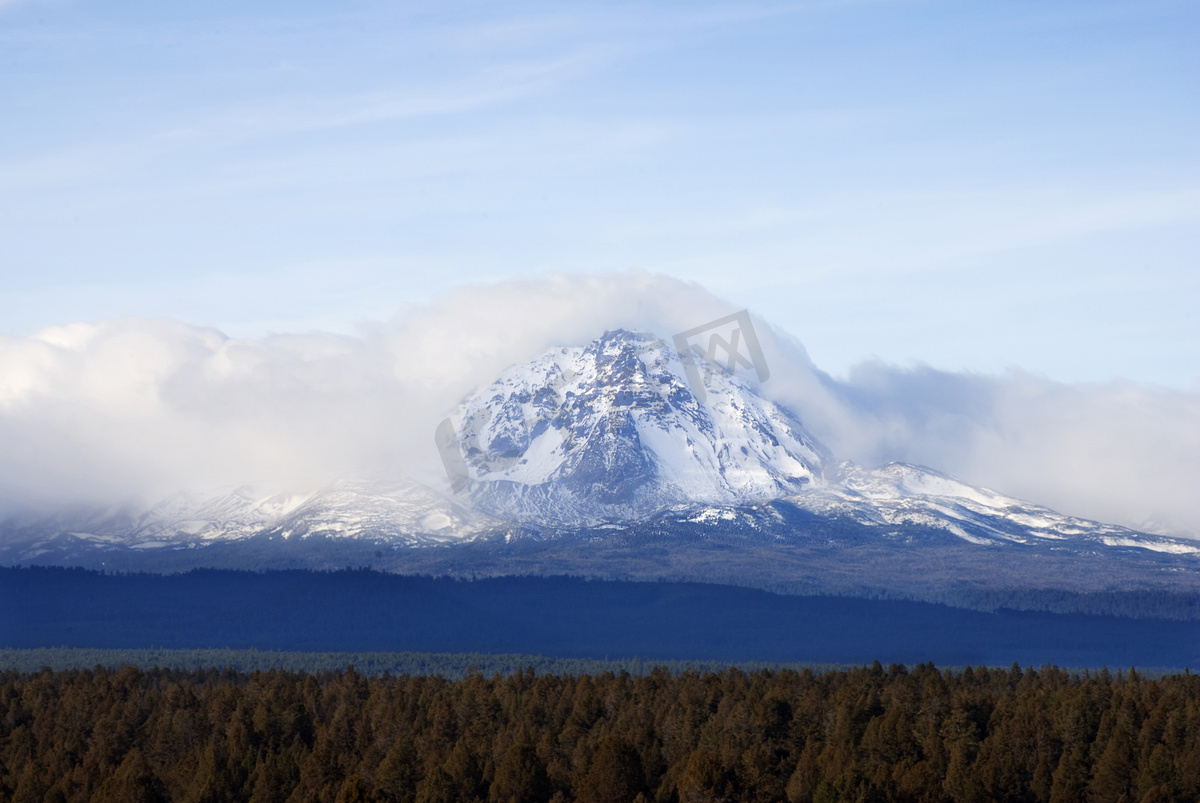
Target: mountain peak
{"points": [[612, 431]]}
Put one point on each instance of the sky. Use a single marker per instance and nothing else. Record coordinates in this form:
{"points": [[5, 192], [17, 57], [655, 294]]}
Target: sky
{"points": [[977, 221]]}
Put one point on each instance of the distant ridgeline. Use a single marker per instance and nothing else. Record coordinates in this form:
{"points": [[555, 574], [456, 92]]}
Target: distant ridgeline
{"points": [[452, 665], [360, 611]]}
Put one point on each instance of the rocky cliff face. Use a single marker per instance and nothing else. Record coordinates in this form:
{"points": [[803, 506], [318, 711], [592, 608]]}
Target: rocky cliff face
{"points": [[613, 432]]}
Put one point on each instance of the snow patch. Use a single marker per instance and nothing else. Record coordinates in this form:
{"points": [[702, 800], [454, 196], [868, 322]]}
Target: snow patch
{"points": [[1157, 546]]}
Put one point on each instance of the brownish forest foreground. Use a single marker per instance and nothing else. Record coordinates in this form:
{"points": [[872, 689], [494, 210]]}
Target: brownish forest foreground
{"points": [[869, 734]]}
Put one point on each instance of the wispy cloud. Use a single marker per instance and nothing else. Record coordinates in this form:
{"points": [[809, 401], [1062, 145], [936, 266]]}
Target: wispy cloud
{"points": [[256, 122], [488, 88]]}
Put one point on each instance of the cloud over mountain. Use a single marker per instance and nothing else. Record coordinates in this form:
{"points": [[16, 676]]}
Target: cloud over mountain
{"points": [[138, 408]]}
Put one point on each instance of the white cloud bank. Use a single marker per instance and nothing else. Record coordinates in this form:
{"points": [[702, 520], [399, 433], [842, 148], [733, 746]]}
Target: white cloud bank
{"points": [[139, 408]]}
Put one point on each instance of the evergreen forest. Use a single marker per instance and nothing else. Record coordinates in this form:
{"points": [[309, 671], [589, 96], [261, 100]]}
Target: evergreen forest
{"points": [[863, 734]]}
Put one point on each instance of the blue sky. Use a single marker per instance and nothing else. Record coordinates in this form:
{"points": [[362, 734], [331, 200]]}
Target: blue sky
{"points": [[969, 185]]}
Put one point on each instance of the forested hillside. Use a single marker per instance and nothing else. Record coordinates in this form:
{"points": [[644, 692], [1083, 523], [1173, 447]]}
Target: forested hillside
{"points": [[361, 611], [869, 734]]}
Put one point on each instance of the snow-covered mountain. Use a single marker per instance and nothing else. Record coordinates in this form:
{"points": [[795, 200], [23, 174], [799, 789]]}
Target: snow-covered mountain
{"points": [[901, 500], [588, 441], [397, 511], [613, 432], [903, 494]]}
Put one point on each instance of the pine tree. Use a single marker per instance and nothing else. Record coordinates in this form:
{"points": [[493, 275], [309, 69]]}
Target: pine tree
{"points": [[520, 777], [615, 775]]}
